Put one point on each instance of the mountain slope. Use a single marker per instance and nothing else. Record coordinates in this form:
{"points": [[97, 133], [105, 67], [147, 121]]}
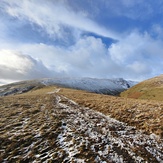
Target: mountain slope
{"points": [[104, 86], [149, 89], [45, 126]]}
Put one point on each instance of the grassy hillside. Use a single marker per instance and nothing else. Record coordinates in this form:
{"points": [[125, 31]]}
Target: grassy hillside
{"points": [[134, 112], [45, 125], [144, 114], [151, 89]]}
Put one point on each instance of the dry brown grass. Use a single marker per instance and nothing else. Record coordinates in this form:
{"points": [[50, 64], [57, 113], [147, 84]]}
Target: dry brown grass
{"points": [[25, 120], [146, 115], [30, 123], [151, 89]]}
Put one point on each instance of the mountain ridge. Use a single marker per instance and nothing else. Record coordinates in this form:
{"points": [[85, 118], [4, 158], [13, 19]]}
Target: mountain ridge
{"points": [[103, 86]]}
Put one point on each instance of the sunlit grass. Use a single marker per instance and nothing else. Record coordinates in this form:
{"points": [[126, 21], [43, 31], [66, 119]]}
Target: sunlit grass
{"points": [[151, 89]]}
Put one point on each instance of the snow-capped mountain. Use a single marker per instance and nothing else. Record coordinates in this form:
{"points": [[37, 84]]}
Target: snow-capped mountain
{"points": [[103, 86]]}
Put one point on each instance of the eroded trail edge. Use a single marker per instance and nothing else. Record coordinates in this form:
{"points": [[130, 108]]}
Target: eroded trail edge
{"points": [[63, 131]]}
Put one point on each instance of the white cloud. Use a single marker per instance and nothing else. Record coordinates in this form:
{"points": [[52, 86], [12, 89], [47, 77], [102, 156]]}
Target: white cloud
{"points": [[131, 58], [139, 53], [16, 66], [127, 48], [139, 67], [136, 46], [55, 17], [136, 57], [88, 57]]}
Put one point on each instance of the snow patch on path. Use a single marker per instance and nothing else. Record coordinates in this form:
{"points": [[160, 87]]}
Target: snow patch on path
{"points": [[109, 139]]}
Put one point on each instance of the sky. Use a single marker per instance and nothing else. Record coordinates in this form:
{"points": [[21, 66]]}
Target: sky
{"points": [[80, 38]]}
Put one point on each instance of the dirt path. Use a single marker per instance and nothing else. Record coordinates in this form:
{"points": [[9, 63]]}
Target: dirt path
{"points": [[53, 128]]}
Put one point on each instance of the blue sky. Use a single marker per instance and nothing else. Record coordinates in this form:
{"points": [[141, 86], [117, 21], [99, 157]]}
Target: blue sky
{"points": [[80, 38]]}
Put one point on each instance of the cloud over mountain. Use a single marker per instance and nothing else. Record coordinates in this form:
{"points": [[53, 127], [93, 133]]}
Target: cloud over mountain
{"points": [[102, 39], [140, 53], [16, 66]]}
